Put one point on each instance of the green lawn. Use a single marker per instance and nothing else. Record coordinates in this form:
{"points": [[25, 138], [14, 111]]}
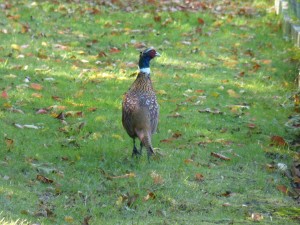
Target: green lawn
{"points": [[223, 81]]}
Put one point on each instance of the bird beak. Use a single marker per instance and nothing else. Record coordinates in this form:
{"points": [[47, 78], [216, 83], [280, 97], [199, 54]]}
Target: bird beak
{"points": [[157, 54]]}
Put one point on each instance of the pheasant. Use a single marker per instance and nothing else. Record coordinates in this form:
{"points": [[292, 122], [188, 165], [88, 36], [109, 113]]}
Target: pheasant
{"points": [[139, 108]]}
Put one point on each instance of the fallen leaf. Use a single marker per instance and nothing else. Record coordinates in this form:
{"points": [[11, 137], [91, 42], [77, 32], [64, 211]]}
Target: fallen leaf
{"points": [[41, 111], [251, 126], [220, 156], [161, 92], [37, 95], [226, 194], [199, 177], [255, 67], [187, 161], [157, 18], [86, 220], [44, 179], [9, 143], [74, 114], [56, 98], [278, 141], [199, 91], [14, 110], [18, 125], [4, 94], [128, 175], [215, 94], [208, 110], [69, 219], [36, 86], [31, 126], [114, 50], [149, 196], [226, 204], [256, 217], [176, 115], [15, 47], [92, 109], [157, 179], [266, 61], [102, 54], [131, 199], [233, 94], [282, 188], [200, 21]]}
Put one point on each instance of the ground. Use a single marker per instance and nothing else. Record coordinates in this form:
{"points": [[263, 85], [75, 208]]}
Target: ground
{"points": [[225, 83]]}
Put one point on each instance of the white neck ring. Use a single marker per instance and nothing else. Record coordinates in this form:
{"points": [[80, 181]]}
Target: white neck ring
{"points": [[145, 70]]}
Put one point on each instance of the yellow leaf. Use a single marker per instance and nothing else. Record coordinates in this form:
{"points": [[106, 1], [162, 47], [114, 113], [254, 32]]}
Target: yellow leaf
{"points": [[161, 92], [15, 47], [78, 94], [256, 217], [150, 195], [215, 94], [37, 95], [232, 93], [7, 105], [69, 219], [119, 201], [231, 64], [117, 136]]}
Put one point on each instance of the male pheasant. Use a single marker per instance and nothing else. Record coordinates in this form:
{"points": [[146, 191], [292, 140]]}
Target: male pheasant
{"points": [[139, 108]]}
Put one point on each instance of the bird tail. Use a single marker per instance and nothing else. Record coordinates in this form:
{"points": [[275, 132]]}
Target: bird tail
{"points": [[146, 140]]}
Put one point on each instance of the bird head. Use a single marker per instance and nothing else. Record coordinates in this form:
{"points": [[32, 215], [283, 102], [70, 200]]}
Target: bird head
{"points": [[145, 58]]}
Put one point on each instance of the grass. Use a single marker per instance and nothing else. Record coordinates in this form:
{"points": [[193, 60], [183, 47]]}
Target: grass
{"points": [[80, 57]]}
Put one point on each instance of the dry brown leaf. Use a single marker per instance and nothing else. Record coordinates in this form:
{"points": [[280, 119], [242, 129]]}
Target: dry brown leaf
{"points": [[187, 161], [200, 21], [36, 86], [233, 94], [9, 143], [149, 196], [278, 141], [44, 179], [56, 98], [86, 220], [157, 179], [220, 156], [199, 177], [256, 217], [74, 114], [128, 175], [92, 109], [114, 50], [282, 188]]}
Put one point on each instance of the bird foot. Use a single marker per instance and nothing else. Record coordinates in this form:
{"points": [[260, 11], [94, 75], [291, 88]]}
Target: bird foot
{"points": [[135, 152]]}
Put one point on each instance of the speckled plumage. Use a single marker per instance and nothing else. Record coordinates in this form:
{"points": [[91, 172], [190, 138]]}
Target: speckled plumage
{"points": [[140, 109]]}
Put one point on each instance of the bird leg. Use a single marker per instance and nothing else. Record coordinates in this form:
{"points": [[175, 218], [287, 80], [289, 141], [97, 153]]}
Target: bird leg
{"points": [[150, 152], [141, 147], [135, 152]]}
